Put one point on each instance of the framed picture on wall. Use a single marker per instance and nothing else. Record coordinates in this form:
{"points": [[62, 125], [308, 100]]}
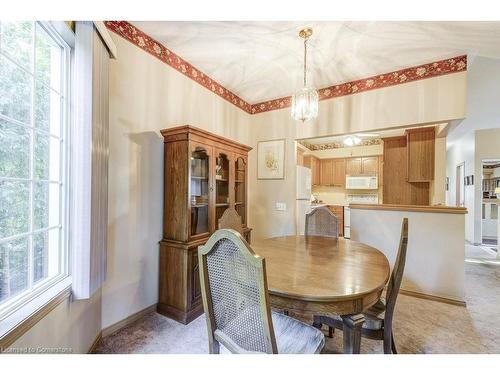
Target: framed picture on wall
{"points": [[271, 160]]}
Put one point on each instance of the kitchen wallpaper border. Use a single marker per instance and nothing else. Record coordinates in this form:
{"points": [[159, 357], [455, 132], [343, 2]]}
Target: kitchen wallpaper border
{"points": [[434, 69]]}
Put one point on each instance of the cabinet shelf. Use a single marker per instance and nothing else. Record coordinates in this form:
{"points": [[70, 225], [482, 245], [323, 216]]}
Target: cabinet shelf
{"points": [[199, 178], [221, 204], [221, 179], [238, 203], [198, 205]]}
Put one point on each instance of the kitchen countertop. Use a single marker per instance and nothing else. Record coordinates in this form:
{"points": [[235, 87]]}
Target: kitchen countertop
{"points": [[411, 208]]}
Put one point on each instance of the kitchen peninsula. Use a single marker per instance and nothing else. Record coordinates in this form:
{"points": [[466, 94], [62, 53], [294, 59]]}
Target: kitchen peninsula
{"points": [[435, 259]]}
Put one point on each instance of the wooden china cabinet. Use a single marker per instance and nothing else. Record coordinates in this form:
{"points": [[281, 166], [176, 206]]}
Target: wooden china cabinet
{"points": [[204, 174]]}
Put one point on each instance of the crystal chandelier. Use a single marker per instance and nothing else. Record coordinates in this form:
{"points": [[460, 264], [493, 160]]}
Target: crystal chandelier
{"points": [[305, 102]]}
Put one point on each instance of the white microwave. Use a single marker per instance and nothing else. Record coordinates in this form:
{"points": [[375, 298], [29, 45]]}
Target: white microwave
{"points": [[361, 182]]}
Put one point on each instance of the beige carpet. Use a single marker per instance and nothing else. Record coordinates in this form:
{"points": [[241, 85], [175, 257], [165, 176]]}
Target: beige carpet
{"points": [[420, 326]]}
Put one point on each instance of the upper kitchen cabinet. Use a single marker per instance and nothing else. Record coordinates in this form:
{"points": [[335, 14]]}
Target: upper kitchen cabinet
{"points": [[332, 172], [313, 163], [420, 154], [353, 166], [362, 165], [327, 177], [369, 165], [339, 172], [397, 189]]}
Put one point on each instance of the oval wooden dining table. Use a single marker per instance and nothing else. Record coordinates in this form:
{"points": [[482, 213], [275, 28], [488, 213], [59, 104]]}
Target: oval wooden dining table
{"points": [[325, 276]]}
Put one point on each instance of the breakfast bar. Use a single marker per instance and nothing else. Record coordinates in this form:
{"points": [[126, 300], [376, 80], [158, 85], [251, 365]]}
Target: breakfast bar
{"points": [[436, 251]]}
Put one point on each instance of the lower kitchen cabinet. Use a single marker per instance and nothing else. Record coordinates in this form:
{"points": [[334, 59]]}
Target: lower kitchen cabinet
{"points": [[338, 211]]}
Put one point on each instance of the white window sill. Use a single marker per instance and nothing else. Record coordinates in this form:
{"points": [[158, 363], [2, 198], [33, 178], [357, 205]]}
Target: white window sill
{"points": [[19, 322]]}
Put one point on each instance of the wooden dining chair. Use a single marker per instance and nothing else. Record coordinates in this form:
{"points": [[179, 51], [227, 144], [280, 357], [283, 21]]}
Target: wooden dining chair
{"points": [[322, 222], [236, 302], [230, 219], [378, 318]]}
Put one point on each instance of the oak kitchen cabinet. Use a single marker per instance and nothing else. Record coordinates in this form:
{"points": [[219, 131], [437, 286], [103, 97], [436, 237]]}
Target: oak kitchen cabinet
{"points": [[420, 148], [362, 165], [332, 172], [326, 177], [397, 189], [353, 166], [338, 211], [339, 172]]}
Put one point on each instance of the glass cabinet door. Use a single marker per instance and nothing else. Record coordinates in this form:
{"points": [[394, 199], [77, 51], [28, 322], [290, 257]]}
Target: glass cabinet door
{"points": [[240, 200], [199, 190], [221, 185]]}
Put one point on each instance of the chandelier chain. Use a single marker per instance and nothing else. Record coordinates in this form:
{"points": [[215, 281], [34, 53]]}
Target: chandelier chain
{"points": [[305, 62]]}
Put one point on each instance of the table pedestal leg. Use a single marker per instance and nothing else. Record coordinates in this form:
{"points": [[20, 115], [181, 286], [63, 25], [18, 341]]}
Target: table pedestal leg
{"points": [[352, 332]]}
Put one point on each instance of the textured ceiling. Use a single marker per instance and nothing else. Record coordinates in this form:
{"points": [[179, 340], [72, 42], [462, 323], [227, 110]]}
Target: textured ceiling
{"points": [[263, 60]]}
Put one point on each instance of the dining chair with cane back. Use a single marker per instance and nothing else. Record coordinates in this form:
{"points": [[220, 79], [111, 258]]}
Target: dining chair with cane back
{"points": [[236, 302], [322, 222], [230, 219], [379, 317]]}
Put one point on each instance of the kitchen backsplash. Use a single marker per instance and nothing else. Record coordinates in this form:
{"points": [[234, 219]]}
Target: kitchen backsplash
{"points": [[337, 195]]}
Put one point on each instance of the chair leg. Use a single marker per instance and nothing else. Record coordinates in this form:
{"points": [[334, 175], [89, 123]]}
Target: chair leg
{"points": [[331, 330], [316, 323], [387, 340], [394, 351]]}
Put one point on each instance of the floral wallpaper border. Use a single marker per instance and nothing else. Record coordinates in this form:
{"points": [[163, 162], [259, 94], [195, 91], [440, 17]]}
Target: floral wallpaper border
{"points": [[434, 69], [334, 145], [155, 48], [142, 40]]}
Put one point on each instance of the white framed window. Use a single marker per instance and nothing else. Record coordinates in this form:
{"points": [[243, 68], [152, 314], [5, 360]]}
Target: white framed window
{"points": [[34, 176]]}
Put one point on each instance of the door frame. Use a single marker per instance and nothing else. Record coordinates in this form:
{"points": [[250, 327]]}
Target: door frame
{"points": [[459, 180]]}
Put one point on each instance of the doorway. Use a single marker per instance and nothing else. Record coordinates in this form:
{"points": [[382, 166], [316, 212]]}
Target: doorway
{"points": [[490, 201], [460, 185]]}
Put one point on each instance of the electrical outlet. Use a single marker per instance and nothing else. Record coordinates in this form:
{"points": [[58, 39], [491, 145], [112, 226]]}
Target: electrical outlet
{"points": [[280, 206]]}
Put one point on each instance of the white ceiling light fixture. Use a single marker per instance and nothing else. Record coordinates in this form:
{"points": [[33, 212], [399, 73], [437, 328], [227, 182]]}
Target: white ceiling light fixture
{"points": [[356, 139], [305, 102], [352, 140]]}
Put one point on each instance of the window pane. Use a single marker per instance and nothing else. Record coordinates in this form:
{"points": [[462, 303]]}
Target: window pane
{"points": [[41, 158], [14, 208], [46, 161], [14, 150], [47, 59], [16, 40], [13, 268], [45, 255], [40, 255], [15, 91], [47, 109], [45, 205]]}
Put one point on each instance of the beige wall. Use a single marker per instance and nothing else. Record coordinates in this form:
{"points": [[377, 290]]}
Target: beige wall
{"points": [[73, 325], [483, 112], [438, 186], [145, 96]]}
